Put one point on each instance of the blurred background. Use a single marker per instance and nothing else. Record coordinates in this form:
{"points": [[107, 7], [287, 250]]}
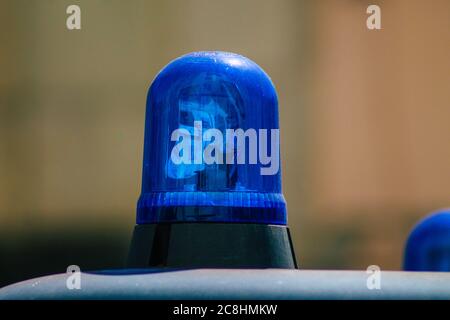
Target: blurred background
{"points": [[364, 121]]}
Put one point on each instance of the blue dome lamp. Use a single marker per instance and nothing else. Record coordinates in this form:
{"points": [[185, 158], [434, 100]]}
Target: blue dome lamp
{"points": [[211, 180], [428, 245]]}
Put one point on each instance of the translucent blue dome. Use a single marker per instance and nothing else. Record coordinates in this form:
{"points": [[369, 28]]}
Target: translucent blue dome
{"points": [[211, 149], [428, 246]]}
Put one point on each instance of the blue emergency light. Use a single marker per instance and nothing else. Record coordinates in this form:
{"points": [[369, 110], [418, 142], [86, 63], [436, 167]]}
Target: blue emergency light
{"points": [[428, 245], [224, 105], [211, 170]]}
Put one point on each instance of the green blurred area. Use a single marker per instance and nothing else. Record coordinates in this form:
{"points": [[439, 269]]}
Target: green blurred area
{"points": [[363, 118]]}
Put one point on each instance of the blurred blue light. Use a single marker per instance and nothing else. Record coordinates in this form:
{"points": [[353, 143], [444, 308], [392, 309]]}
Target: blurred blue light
{"points": [[428, 246], [197, 99]]}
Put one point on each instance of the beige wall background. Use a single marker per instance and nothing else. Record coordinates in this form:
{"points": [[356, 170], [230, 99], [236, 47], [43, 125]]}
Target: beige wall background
{"points": [[364, 115]]}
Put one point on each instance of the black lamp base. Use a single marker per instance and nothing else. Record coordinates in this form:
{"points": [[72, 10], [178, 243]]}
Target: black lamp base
{"points": [[211, 245]]}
